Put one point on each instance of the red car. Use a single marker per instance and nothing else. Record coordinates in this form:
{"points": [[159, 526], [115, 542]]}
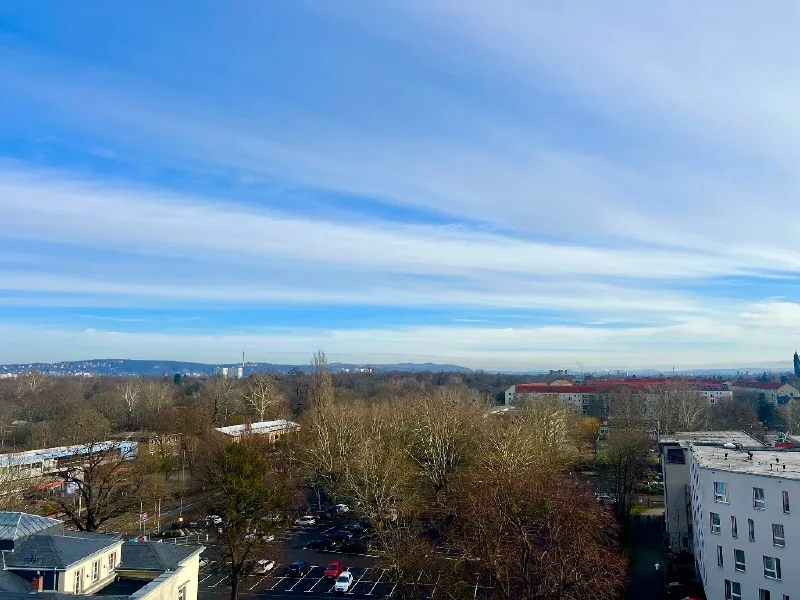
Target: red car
{"points": [[335, 568]]}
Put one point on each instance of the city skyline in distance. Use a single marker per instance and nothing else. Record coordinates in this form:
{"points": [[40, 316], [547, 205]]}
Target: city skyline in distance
{"points": [[497, 187]]}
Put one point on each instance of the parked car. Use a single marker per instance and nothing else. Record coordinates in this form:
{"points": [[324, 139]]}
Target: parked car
{"points": [[355, 547], [354, 528], [322, 515], [343, 582], [273, 518], [334, 569], [299, 568], [340, 536], [204, 562], [305, 521], [213, 520], [342, 508], [264, 566], [323, 544], [193, 524]]}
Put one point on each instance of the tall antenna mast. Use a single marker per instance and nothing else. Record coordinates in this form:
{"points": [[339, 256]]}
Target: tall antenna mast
{"points": [[242, 362]]}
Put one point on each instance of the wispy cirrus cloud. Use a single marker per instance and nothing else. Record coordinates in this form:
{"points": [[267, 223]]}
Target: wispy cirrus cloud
{"points": [[628, 165]]}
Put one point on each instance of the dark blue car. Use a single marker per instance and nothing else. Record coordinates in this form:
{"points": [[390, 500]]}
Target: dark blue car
{"points": [[299, 568]]}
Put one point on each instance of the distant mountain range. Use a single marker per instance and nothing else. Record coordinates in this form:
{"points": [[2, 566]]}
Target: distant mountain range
{"points": [[126, 367]]}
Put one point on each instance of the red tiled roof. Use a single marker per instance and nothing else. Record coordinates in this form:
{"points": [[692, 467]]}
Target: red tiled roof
{"points": [[527, 388], [759, 385]]}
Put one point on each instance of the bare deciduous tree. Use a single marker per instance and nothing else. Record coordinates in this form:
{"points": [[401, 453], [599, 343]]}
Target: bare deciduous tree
{"points": [[264, 398], [320, 390], [541, 535], [627, 453]]}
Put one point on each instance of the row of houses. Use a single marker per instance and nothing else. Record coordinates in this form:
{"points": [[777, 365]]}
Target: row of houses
{"points": [[40, 557], [585, 397]]}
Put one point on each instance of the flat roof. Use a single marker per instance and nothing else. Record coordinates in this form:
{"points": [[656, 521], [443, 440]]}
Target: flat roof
{"points": [[770, 463], [713, 437], [258, 428]]}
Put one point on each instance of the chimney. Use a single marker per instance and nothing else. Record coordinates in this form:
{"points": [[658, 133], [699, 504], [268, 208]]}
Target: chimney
{"points": [[37, 583]]}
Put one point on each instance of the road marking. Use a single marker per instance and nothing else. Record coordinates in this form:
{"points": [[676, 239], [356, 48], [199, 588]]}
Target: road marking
{"points": [[350, 591], [369, 593], [255, 585], [392, 592], [301, 579], [224, 577], [315, 585], [277, 582], [477, 581]]}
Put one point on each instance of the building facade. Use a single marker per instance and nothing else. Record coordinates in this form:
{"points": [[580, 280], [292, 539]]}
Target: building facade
{"points": [[675, 460], [273, 430], [772, 391], [745, 507], [40, 557]]}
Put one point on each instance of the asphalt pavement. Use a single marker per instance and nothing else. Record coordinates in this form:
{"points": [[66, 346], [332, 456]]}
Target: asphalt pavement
{"points": [[371, 578]]}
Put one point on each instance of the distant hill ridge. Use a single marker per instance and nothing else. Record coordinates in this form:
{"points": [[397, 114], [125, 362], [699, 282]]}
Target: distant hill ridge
{"points": [[124, 366]]}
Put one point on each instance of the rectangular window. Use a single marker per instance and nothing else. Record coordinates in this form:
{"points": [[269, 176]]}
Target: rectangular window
{"points": [[112, 561], [777, 535], [772, 567], [764, 595], [738, 559], [751, 530], [715, 523], [734, 528], [719, 556], [675, 455], [786, 597], [758, 499], [720, 491], [95, 571], [733, 590], [78, 580], [182, 592], [785, 501]]}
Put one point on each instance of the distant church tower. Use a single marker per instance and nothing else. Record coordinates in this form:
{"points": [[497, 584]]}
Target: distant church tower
{"points": [[796, 364]]}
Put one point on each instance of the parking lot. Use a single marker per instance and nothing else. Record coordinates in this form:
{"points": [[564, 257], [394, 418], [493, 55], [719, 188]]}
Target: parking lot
{"points": [[371, 580]]}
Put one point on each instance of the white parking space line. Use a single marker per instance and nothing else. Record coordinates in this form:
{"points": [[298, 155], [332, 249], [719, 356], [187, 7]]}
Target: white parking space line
{"points": [[301, 579], [315, 585], [369, 593], [206, 577], [223, 578], [477, 581], [352, 589], [257, 583], [435, 585], [277, 582]]}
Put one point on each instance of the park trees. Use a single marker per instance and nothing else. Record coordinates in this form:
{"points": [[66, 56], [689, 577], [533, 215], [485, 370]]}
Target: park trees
{"points": [[249, 493], [263, 398], [107, 483]]}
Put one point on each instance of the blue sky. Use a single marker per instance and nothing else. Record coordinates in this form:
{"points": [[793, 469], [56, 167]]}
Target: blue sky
{"points": [[505, 185]]}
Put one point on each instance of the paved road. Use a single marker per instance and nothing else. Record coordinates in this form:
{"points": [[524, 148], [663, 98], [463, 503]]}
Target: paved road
{"points": [[647, 551], [372, 580]]}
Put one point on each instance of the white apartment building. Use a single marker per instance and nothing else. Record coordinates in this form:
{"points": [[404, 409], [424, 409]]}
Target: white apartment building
{"points": [[746, 517], [580, 397], [674, 452]]}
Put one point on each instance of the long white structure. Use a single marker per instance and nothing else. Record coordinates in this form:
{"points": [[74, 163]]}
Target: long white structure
{"points": [[745, 510], [273, 429]]}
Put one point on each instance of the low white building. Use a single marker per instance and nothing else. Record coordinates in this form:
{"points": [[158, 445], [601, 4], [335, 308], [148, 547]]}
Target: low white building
{"points": [[273, 429], [745, 508]]}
